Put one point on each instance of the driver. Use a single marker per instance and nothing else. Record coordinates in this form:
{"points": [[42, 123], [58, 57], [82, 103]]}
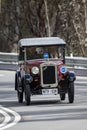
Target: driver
{"points": [[38, 53]]}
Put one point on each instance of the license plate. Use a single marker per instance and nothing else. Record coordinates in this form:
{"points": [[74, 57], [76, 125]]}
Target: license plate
{"points": [[49, 91]]}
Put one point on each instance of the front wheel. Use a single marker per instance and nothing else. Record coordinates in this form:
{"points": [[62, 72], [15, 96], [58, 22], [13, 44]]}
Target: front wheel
{"points": [[62, 96], [71, 92], [20, 97], [27, 94], [19, 89]]}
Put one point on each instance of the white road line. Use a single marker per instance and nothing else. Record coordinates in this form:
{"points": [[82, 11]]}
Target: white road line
{"points": [[6, 123], [6, 120]]}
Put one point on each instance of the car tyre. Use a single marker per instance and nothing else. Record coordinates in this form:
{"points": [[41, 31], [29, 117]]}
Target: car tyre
{"points": [[15, 81], [27, 94], [20, 97], [19, 90], [62, 96], [71, 92]]}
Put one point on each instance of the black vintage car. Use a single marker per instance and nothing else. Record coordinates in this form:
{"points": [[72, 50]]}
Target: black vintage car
{"points": [[42, 70]]}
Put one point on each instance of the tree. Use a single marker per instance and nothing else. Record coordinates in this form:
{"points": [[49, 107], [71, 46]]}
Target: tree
{"points": [[40, 18]]}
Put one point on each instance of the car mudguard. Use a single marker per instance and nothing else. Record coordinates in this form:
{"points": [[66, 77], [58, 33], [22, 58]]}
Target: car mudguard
{"points": [[71, 76], [28, 78]]}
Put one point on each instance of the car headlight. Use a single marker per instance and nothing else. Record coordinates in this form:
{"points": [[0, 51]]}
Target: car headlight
{"points": [[35, 70], [63, 70]]}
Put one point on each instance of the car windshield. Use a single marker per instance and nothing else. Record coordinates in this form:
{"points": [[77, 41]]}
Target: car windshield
{"points": [[44, 52]]}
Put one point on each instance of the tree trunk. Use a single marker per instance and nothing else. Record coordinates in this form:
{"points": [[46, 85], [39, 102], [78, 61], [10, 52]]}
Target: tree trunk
{"points": [[0, 6], [47, 19], [78, 26]]}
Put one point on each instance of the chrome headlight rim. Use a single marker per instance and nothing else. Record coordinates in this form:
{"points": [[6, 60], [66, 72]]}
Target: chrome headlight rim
{"points": [[35, 70], [63, 70]]}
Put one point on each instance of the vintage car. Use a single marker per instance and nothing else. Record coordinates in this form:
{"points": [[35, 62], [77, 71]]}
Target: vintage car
{"points": [[42, 69]]}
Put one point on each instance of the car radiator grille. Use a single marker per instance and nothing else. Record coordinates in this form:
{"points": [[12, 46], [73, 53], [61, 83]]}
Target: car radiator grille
{"points": [[48, 74]]}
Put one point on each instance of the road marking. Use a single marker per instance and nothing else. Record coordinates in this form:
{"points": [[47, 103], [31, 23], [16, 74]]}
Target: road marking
{"points": [[7, 122], [27, 117], [7, 118]]}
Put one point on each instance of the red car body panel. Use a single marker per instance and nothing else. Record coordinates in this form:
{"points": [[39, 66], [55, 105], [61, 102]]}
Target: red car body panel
{"points": [[38, 62]]}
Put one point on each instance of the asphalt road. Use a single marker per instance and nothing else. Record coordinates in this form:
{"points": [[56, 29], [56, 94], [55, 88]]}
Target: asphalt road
{"points": [[45, 112]]}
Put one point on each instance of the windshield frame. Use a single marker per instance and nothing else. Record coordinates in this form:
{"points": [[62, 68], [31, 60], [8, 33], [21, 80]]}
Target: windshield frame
{"points": [[33, 48]]}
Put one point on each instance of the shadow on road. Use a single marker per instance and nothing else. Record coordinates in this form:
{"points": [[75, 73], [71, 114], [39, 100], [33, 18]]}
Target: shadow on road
{"points": [[33, 103]]}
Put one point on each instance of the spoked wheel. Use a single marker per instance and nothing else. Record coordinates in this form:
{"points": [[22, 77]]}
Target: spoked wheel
{"points": [[62, 96], [27, 94], [71, 92]]}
